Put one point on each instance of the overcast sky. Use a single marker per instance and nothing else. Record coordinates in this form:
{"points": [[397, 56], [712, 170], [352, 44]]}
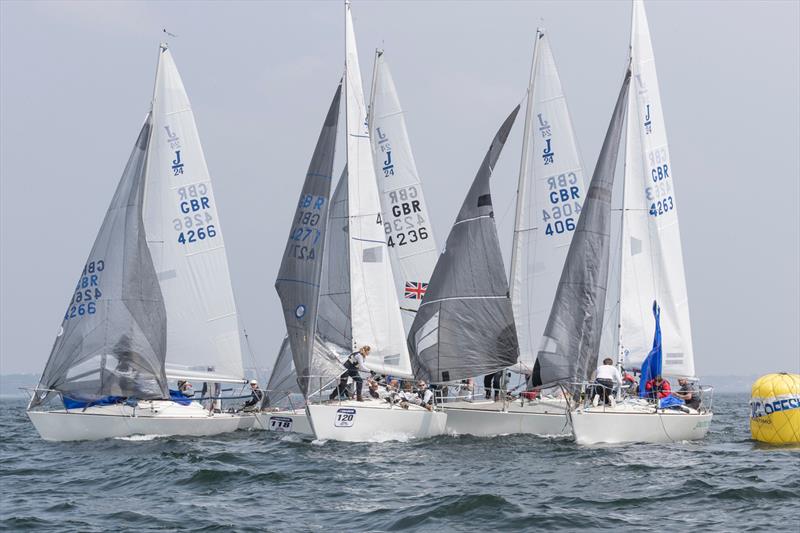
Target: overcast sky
{"points": [[76, 80]]}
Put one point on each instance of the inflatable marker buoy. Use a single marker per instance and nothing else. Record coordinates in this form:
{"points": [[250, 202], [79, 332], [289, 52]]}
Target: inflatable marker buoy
{"points": [[775, 409]]}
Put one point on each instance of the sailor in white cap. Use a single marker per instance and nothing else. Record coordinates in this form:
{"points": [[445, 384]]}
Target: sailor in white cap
{"points": [[256, 397]]}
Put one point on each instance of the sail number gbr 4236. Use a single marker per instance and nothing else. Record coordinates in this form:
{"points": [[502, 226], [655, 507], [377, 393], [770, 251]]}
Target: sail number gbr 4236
{"points": [[406, 225]]}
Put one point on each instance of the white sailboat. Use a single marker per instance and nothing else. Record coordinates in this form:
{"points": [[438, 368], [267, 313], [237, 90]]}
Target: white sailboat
{"points": [[154, 300], [371, 316], [549, 199], [651, 269]]}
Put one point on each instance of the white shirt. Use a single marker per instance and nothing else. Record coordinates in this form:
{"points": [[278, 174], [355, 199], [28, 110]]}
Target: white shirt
{"points": [[609, 372]]}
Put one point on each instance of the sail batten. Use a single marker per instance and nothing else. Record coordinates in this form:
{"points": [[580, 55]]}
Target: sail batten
{"points": [[465, 325]]}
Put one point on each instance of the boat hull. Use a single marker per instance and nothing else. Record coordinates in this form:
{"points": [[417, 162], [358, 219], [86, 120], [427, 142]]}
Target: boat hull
{"points": [[352, 421], [148, 418], [610, 426], [488, 419], [288, 421]]}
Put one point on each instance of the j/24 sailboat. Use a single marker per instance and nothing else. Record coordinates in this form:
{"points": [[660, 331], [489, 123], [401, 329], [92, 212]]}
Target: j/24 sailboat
{"points": [[153, 302]]}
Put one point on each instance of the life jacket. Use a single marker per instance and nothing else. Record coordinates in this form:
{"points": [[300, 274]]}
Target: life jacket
{"points": [[530, 395]]}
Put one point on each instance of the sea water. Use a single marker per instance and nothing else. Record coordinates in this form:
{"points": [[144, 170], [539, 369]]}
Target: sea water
{"points": [[252, 480]]}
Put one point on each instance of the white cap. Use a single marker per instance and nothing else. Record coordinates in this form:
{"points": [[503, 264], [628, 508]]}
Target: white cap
{"points": [[253, 382]]}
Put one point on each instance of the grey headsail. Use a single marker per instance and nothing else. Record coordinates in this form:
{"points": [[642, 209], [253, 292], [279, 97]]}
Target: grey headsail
{"points": [[572, 335], [333, 321], [283, 379], [298, 282], [465, 325], [112, 341]]}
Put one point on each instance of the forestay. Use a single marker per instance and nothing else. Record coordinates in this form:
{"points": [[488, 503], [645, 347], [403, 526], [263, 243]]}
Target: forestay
{"points": [[652, 261], [186, 242], [375, 313], [112, 340], [299, 277], [409, 234], [549, 199], [572, 334], [465, 325]]}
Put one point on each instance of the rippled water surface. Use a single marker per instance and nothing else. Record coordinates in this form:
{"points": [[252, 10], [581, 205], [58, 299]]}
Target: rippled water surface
{"points": [[258, 480]]}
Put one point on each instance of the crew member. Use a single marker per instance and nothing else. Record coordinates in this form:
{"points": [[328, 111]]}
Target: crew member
{"points": [[687, 393], [605, 377], [256, 397], [657, 387], [354, 364], [425, 395], [492, 381]]}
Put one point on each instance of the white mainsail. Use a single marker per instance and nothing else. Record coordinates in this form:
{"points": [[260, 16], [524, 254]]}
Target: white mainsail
{"points": [[185, 240], [376, 319], [408, 232], [549, 199], [651, 261]]}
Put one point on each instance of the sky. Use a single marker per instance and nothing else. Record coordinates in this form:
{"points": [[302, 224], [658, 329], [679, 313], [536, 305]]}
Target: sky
{"points": [[76, 80]]}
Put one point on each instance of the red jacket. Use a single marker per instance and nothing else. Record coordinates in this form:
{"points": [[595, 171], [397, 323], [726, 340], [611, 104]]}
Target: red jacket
{"points": [[661, 392]]}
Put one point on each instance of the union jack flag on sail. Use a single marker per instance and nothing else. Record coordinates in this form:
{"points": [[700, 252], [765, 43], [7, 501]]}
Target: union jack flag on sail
{"points": [[415, 290]]}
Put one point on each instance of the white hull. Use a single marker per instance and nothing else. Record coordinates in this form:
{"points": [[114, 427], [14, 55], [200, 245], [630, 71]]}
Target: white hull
{"points": [[626, 423], [373, 421], [148, 418], [289, 421], [489, 418]]}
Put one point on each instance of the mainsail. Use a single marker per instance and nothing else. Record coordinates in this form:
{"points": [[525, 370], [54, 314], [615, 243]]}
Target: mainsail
{"points": [[375, 312], [298, 282], [186, 243], [112, 340], [652, 261], [409, 234], [572, 334], [549, 199], [465, 325]]}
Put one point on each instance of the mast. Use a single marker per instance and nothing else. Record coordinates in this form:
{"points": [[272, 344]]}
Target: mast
{"points": [[523, 166]]}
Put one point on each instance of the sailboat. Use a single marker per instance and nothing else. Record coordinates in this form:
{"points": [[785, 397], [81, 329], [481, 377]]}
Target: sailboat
{"points": [[550, 193], [651, 270], [154, 300], [357, 302]]}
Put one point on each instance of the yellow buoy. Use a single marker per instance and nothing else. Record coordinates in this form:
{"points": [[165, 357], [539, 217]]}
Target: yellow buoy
{"points": [[775, 409]]}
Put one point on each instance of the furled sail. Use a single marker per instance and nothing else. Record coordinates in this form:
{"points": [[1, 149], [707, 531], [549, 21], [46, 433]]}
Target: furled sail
{"points": [[112, 340], [549, 199], [652, 260], [299, 277], [572, 334], [409, 234], [465, 325], [186, 242], [375, 310]]}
